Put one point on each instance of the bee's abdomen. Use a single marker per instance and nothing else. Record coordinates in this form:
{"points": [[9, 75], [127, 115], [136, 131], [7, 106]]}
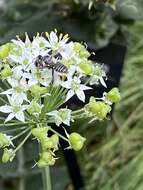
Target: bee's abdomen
{"points": [[59, 67]]}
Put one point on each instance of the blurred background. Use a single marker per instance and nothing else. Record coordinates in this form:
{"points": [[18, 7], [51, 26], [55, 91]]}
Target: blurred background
{"points": [[113, 155]]}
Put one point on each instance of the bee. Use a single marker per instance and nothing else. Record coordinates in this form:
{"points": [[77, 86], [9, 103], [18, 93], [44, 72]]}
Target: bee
{"points": [[51, 62]]}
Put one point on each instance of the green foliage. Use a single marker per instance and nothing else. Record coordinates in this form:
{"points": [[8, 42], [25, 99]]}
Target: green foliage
{"points": [[96, 26]]}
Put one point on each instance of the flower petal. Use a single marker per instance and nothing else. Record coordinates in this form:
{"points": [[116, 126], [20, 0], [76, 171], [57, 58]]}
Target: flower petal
{"points": [[83, 87], [9, 91], [53, 113], [69, 94], [20, 116], [53, 38], [66, 84], [58, 121], [5, 109], [67, 122], [80, 94], [103, 82], [10, 117]]}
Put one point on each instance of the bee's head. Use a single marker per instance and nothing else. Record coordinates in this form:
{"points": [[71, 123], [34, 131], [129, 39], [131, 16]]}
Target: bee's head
{"points": [[58, 56], [39, 57], [38, 61]]}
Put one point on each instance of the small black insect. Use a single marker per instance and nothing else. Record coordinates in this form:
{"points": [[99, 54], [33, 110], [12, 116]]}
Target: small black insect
{"points": [[51, 62]]}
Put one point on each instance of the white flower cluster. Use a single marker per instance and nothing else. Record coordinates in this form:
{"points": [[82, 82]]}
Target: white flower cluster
{"points": [[32, 67], [38, 77]]}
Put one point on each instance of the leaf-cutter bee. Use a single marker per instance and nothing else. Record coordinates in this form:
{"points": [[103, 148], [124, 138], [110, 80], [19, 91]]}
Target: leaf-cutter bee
{"points": [[51, 62]]}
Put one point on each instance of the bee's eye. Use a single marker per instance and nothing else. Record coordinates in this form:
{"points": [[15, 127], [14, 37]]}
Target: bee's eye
{"points": [[40, 57], [58, 55]]}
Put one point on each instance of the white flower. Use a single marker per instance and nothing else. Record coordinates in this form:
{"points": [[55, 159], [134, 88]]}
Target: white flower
{"points": [[39, 45], [56, 43], [5, 140], [22, 53], [61, 116], [15, 109], [98, 76], [75, 87], [18, 90], [68, 51], [24, 58]]}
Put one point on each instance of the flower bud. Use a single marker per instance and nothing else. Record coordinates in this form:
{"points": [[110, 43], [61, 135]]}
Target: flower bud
{"points": [[76, 141], [4, 140], [46, 143], [6, 72], [41, 164], [102, 114], [68, 62], [40, 133], [55, 139], [5, 50], [51, 142], [34, 108], [52, 162], [100, 109], [37, 90], [81, 50], [48, 158], [86, 67], [114, 95], [8, 155]]}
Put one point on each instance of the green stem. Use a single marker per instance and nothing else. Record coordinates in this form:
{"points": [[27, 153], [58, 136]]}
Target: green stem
{"points": [[47, 178], [20, 134], [21, 185], [61, 136], [82, 115], [22, 143], [15, 124], [12, 130], [78, 111]]}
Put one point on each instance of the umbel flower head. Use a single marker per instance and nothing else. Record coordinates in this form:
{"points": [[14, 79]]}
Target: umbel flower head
{"points": [[39, 76]]}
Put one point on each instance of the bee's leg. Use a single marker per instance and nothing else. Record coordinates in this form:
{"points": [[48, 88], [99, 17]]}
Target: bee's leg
{"points": [[52, 75]]}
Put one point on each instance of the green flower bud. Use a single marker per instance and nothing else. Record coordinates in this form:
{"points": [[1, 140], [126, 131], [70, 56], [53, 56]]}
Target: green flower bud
{"points": [[4, 140], [86, 67], [8, 155], [55, 140], [5, 50], [100, 109], [40, 133], [34, 108], [76, 141], [48, 158], [52, 162], [41, 164], [104, 111], [37, 90], [81, 50], [68, 62], [46, 144], [6, 72], [51, 142], [114, 95]]}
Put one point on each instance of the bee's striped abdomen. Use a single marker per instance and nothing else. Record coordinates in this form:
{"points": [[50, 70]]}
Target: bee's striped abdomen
{"points": [[59, 67]]}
